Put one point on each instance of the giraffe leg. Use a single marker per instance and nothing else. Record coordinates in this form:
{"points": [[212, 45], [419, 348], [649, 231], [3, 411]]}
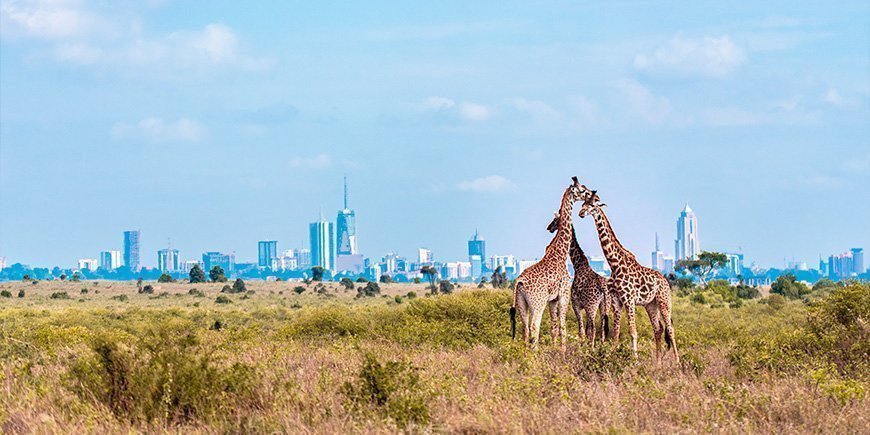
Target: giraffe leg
{"points": [[617, 321], [655, 319], [563, 314], [603, 308], [537, 312], [554, 319], [669, 327], [523, 308], [632, 327], [590, 324]]}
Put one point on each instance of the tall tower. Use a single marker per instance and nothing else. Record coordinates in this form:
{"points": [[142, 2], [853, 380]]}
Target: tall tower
{"points": [[131, 250], [323, 244], [477, 246], [658, 256], [346, 228], [687, 245]]}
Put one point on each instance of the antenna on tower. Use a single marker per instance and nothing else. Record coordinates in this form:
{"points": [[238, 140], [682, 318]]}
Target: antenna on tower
{"points": [[345, 191]]}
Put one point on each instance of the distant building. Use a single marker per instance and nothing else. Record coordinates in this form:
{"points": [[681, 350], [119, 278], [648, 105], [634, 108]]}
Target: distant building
{"points": [[798, 265], [267, 253], [322, 235], [507, 263], [477, 246], [424, 256], [287, 261], [476, 266], [734, 266], [687, 245], [667, 264], [88, 264], [168, 260], [450, 270], [524, 264], [110, 260], [858, 260], [303, 259], [350, 263], [658, 257], [131, 250], [345, 224], [464, 269], [2, 263], [227, 262], [390, 262], [186, 266]]}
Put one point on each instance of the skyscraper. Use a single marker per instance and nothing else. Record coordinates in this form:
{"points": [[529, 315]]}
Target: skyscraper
{"points": [[131, 250], [658, 257], [424, 256], [227, 262], [477, 246], [858, 260], [346, 228], [267, 253], [322, 235], [110, 260], [168, 260], [687, 245]]}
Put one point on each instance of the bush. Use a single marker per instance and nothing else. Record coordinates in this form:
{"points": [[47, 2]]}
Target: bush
{"points": [[446, 287], [239, 286], [120, 298], [371, 289], [825, 284], [196, 274], [747, 292], [221, 299], [6, 293], [196, 293], [226, 289], [411, 295], [169, 375], [165, 278], [148, 289], [59, 295], [788, 286], [317, 273], [347, 283], [397, 299], [839, 321], [84, 291], [298, 289], [386, 279], [216, 274], [392, 390], [777, 302], [21, 293], [362, 279]]}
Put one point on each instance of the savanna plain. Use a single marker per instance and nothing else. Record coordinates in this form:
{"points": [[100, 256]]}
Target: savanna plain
{"points": [[291, 357]]}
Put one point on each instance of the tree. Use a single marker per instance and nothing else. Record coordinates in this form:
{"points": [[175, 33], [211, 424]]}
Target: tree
{"points": [[706, 263], [347, 283], [239, 286], [139, 284], [165, 278], [76, 277], [63, 277], [317, 273], [430, 274], [499, 278], [788, 286], [446, 287], [196, 274], [216, 274], [386, 279]]}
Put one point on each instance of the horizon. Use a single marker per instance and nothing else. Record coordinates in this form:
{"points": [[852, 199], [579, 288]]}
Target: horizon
{"points": [[222, 126]]}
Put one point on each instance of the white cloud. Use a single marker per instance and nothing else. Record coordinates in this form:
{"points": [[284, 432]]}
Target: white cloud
{"points": [[438, 103], [46, 19], [319, 161], [474, 112], [492, 183], [158, 130], [711, 57], [641, 102], [833, 97], [539, 111]]}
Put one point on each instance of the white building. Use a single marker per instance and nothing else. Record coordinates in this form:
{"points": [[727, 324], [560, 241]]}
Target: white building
{"points": [[110, 260], [88, 264], [687, 245], [507, 263], [168, 260], [658, 257], [188, 265], [463, 269], [424, 256]]}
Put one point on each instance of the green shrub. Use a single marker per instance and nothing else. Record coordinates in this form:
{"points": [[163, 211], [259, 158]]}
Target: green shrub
{"points": [[148, 289], [21, 293], [347, 283], [84, 291], [167, 375], [411, 295], [839, 322], [196, 293], [221, 299], [59, 295], [391, 390], [239, 286], [164, 278], [120, 298], [604, 360], [298, 289], [777, 302], [6, 293], [788, 286], [397, 299], [371, 289], [446, 287]]}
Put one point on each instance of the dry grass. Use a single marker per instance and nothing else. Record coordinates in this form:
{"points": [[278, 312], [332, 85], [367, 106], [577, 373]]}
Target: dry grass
{"points": [[482, 384]]}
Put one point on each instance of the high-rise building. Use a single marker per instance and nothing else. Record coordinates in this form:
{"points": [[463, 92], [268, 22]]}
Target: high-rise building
{"points": [[322, 235], [667, 264], [168, 260], [267, 253], [424, 256], [2, 263], [477, 246], [186, 266], [735, 264], [858, 260], [658, 257], [507, 263], [110, 260], [687, 245], [88, 264], [476, 266], [131, 250], [303, 259], [227, 262], [346, 228]]}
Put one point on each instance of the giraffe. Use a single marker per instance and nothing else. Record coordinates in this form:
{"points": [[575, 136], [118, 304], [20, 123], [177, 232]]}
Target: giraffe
{"points": [[589, 291], [547, 282], [632, 284]]}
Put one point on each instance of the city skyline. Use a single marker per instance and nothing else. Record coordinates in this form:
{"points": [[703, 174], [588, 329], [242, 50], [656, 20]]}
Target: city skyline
{"points": [[220, 126]]}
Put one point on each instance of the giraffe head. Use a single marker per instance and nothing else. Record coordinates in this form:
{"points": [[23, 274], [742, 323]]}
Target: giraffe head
{"points": [[579, 191], [554, 225], [591, 205]]}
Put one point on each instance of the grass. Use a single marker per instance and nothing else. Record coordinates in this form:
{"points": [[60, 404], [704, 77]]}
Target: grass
{"points": [[326, 361]]}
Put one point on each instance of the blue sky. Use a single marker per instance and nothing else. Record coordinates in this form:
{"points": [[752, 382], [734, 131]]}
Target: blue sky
{"points": [[216, 126]]}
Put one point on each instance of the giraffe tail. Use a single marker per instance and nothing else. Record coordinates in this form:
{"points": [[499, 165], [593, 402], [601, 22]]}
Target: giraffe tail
{"points": [[605, 320], [668, 339], [513, 312]]}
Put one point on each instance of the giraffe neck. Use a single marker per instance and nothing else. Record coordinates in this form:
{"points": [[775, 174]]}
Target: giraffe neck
{"points": [[617, 256], [557, 250], [578, 257]]}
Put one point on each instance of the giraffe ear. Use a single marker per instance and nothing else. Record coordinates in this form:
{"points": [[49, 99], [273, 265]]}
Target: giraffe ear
{"points": [[576, 181]]}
